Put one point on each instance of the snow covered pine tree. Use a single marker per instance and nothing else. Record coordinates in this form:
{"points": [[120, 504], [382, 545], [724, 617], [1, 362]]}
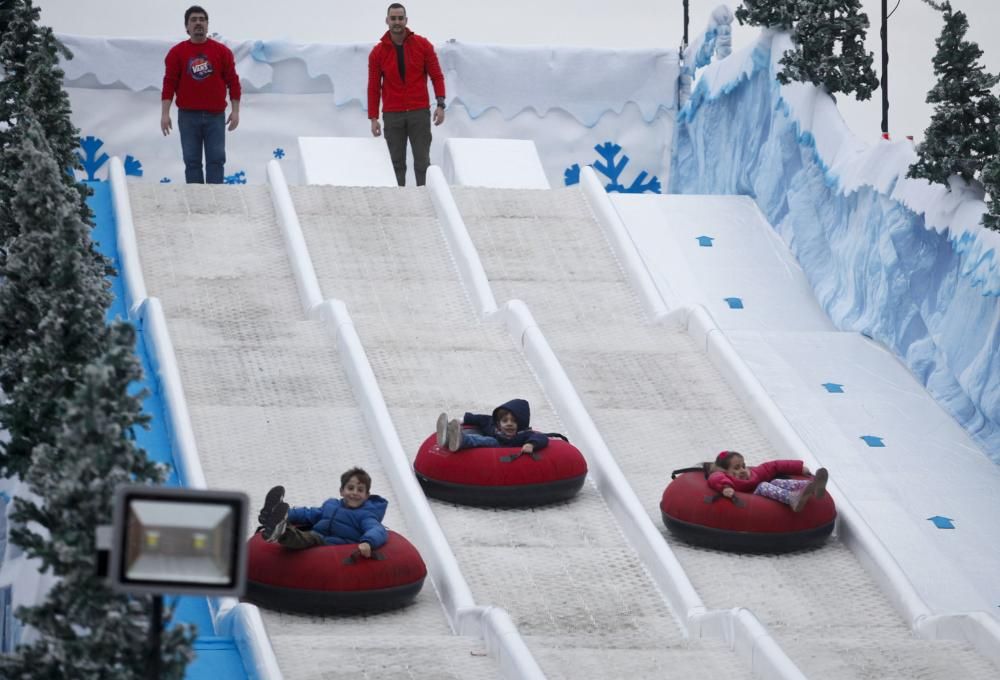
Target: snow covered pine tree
{"points": [[776, 14], [87, 631], [963, 134], [823, 26]]}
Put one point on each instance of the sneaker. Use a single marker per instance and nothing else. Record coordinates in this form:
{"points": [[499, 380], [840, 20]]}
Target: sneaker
{"points": [[276, 522], [819, 484], [274, 496], [442, 430], [454, 435]]}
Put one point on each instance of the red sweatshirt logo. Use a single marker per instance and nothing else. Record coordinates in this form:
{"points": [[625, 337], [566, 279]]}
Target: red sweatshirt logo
{"points": [[200, 67]]}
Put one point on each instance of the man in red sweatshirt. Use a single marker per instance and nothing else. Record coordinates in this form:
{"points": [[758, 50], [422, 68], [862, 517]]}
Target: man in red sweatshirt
{"points": [[398, 68], [199, 71]]}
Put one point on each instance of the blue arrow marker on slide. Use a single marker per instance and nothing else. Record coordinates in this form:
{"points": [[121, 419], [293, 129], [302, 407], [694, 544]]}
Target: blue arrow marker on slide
{"points": [[872, 441], [942, 522], [705, 241], [734, 303], [834, 387]]}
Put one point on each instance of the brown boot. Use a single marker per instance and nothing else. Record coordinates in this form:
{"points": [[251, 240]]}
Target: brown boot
{"points": [[819, 484], [800, 498]]}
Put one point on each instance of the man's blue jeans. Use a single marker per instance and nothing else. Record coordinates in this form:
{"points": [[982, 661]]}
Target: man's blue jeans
{"points": [[202, 130]]}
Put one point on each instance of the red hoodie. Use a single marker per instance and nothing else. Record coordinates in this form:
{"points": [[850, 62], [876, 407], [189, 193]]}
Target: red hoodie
{"points": [[199, 75], [384, 80]]}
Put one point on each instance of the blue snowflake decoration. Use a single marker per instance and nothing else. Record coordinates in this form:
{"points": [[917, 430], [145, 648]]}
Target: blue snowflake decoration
{"points": [[133, 167], [164, 180], [239, 178], [279, 153], [90, 161], [93, 159], [613, 170]]}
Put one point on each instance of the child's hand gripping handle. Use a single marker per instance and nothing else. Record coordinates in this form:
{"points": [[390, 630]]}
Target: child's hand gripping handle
{"points": [[734, 498], [356, 555]]}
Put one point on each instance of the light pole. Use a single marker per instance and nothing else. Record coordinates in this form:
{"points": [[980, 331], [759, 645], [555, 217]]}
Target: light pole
{"points": [[686, 23], [885, 66]]}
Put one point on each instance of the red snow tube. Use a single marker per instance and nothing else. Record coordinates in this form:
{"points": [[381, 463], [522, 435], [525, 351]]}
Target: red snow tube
{"points": [[487, 476], [697, 514], [333, 579]]}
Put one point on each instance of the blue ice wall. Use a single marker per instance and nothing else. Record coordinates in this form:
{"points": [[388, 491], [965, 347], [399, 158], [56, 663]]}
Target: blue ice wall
{"points": [[874, 264]]}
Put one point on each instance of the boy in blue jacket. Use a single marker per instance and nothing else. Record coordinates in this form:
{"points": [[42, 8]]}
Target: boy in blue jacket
{"points": [[355, 517], [509, 425]]}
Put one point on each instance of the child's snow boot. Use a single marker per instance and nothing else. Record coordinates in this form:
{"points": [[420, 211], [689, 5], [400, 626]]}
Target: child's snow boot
{"points": [[442, 430], [454, 435]]}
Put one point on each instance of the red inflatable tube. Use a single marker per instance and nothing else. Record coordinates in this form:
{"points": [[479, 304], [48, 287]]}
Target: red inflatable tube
{"points": [[488, 476], [697, 514], [333, 579]]}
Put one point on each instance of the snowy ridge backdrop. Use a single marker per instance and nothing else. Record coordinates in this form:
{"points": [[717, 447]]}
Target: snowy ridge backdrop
{"points": [[898, 259]]}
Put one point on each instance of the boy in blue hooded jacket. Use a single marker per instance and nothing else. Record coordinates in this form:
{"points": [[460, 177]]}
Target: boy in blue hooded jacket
{"points": [[355, 517], [509, 425]]}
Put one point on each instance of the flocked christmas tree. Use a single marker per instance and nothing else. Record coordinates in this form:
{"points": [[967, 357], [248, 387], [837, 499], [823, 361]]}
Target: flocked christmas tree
{"points": [[53, 255], [777, 14], [53, 298], [962, 135], [829, 37], [32, 82], [87, 631]]}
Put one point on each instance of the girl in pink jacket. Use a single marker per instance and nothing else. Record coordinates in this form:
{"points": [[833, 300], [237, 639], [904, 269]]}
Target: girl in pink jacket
{"points": [[729, 473]]}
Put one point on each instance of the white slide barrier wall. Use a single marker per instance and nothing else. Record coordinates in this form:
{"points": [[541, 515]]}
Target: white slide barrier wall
{"points": [[739, 628], [230, 617], [491, 624], [977, 628]]}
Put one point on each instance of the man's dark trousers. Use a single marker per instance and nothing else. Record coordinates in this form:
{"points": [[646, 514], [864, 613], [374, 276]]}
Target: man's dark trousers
{"points": [[202, 130], [398, 126]]}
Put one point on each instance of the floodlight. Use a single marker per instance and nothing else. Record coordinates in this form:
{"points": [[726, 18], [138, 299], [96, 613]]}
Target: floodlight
{"points": [[177, 540]]}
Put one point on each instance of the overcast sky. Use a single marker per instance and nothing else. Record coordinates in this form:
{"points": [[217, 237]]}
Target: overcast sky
{"points": [[608, 23]]}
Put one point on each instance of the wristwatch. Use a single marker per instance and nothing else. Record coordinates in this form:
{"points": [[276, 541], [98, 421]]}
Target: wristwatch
{"points": [[440, 101]]}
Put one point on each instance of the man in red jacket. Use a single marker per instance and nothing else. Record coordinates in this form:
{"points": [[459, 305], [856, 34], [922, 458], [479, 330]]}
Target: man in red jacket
{"points": [[398, 68], [199, 71]]}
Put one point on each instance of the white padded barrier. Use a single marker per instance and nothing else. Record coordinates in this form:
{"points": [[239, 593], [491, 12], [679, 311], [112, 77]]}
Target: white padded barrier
{"points": [[622, 245], [977, 628], [346, 161], [230, 617], [467, 260], [497, 163], [128, 252], [739, 628], [491, 624]]}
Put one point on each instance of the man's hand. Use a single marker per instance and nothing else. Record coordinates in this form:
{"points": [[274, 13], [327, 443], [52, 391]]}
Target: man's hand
{"points": [[165, 124], [438, 115], [376, 127], [728, 492], [233, 120], [365, 549]]}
